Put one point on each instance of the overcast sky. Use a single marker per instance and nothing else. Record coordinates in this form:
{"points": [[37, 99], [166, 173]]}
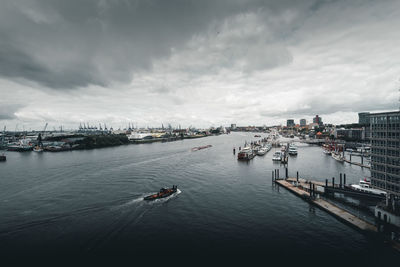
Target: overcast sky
{"points": [[197, 63]]}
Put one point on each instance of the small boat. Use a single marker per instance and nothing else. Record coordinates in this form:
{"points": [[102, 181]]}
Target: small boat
{"points": [[257, 135], [337, 157], [277, 156], [365, 186], [292, 150], [3, 158], [164, 192], [246, 154], [37, 149], [201, 147], [326, 151], [262, 151]]}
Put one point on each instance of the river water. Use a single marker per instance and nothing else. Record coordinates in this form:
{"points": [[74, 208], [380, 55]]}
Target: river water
{"points": [[89, 202]]}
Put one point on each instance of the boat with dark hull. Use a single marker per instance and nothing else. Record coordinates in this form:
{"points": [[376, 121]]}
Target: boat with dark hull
{"points": [[164, 192]]}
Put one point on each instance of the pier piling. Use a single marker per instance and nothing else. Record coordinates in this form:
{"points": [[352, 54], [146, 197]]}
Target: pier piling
{"points": [[344, 179], [297, 176], [333, 182], [287, 173], [340, 181]]}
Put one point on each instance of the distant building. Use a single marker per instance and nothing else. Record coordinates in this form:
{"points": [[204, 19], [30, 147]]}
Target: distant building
{"points": [[303, 122], [290, 123], [317, 120], [385, 151], [233, 126], [363, 118], [350, 134]]}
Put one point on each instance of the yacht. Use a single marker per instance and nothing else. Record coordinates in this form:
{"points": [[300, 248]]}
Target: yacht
{"points": [[139, 136]]}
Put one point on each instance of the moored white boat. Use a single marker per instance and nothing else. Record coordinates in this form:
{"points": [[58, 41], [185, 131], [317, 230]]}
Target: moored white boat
{"points": [[277, 156], [262, 151], [337, 157], [365, 186]]}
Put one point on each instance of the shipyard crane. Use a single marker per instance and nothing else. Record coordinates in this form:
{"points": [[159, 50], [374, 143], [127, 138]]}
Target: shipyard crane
{"points": [[3, 137], [45, 127]]}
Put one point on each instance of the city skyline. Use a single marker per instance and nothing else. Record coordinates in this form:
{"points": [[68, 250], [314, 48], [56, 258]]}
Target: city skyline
{"points": [[198, 63]]}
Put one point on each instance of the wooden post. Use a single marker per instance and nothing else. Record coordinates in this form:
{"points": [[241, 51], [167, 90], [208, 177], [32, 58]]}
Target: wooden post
{"points": [[344, 179], [272, 176], [333, 182], [310, 189], [297, 176], [287, 172], [362, 159], [278, 172], [340, 181], [350, 157], [326, 183]]}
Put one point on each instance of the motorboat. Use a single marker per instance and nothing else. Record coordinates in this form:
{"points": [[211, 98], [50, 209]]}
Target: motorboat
{"points": [[365, 186], [326, 151], [164, 192], [292, 150], [37, 149], [277, 156], [246, 154], [3, 157]]}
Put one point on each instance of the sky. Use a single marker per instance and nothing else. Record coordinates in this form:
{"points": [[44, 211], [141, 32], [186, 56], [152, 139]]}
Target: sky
{"points": [[196, 63]]}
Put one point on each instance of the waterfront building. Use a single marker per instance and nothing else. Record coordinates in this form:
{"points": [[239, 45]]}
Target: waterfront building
{"points": [[318, 120], [353, 134], [233, 126], [363, 118], [303, 122], [290, 123], [385, 151]]}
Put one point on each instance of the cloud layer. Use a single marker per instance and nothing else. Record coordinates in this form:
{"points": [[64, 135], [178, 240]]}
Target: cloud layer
{"points": [[196, 62]]}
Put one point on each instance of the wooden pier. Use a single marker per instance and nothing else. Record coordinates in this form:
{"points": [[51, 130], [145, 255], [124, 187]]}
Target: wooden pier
{"points": [[301, 190]]}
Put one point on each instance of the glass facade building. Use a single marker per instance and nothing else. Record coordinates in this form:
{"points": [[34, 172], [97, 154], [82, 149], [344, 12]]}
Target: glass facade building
{"points": [[385, 151]]}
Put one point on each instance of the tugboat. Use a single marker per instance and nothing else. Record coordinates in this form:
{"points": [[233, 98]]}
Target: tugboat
{"points": [[164, 192]]}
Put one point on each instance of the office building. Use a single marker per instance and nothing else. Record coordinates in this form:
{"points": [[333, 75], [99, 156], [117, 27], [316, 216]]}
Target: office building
{"points": [[363, 118], [290, 123], [303, 122], [385, 151], [317, 120]]}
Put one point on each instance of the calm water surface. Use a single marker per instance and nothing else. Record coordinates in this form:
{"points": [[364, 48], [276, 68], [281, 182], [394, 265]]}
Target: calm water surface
{"points": [[90, 203]]}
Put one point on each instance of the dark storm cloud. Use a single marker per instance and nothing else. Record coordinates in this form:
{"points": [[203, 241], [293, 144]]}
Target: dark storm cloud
{"points": [[69, 44]]}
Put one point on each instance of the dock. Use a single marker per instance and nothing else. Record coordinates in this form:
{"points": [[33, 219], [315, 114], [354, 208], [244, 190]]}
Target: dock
{"points": [[357, 163], [339, 213]]}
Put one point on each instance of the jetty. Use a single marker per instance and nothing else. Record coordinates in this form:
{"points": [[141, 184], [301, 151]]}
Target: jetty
{"points": [[357, 163], [309, 191]]}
